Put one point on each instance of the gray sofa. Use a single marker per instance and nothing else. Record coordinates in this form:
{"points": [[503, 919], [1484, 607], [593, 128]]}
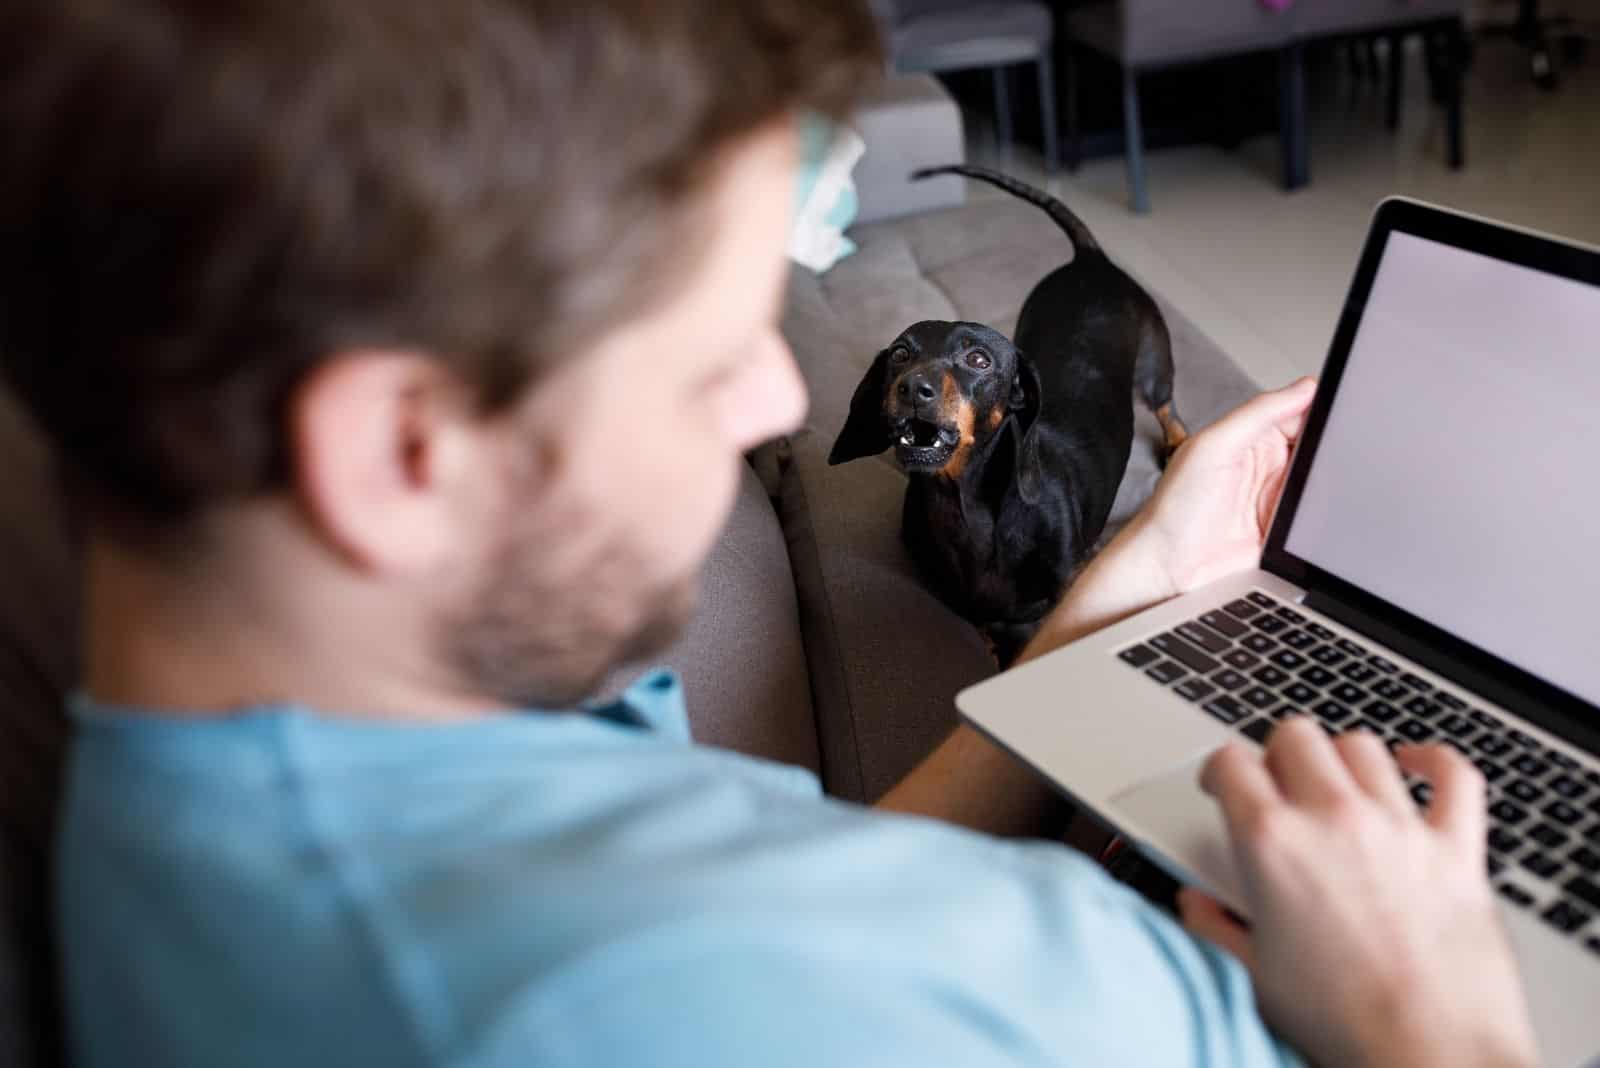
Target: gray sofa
{"points": [[815, 643]]}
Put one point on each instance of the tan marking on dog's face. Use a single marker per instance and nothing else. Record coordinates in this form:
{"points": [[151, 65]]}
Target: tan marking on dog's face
{"points": [[966, 423], [996, 416], [1172, 427]]}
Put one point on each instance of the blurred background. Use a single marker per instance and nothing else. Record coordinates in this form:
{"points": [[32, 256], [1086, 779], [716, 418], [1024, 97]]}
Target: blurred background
{"points": [[1264, 132]]}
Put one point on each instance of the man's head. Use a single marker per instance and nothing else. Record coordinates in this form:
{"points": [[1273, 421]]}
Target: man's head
{"points": [[453, 315]]}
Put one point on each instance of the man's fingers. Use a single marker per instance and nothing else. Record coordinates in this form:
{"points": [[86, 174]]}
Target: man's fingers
{"points": [[1374, 769], [1458, 801], [1304, 763], [1282, 409], [1236, 777], [1205, 918]]}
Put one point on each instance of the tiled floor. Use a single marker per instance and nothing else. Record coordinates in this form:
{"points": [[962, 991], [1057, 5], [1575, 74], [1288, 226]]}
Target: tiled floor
{"points": [[1264, 272]]}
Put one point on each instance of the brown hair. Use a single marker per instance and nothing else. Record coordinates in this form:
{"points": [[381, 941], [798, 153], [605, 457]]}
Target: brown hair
{"points": [[199, 200]]}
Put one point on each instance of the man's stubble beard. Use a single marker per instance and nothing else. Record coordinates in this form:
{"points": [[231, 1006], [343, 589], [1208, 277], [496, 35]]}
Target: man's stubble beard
{"points": [[541, 634]]}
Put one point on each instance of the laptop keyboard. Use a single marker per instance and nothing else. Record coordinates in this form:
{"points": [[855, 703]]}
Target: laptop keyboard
{"points": [[1256, 660]]}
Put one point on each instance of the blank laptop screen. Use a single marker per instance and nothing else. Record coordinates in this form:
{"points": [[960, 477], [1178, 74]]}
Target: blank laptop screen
{"points": [[1458, 475]]}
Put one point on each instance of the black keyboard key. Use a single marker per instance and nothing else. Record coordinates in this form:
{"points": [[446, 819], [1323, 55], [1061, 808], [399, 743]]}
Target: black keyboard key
{"points": [[1479, 716], [1300, 693], [1592, 943], [1241, 609], [1561, 760], [1139, 655], [1524, 739], [1226, 709], [1592, 777], [1530, 765], [1331, 712], [1422, 794], [1204, 637], [1568, 787], [1291, 615], [1491, 771], [1492, 745], [1415, 731], [1503, 841], [1516, 894], [1259, 697], [1524, 791], [1285, 711], [1224, 624], [1270, 676], [1506, 812], [1356, 671], [1327, 655], [1184, 653], [1229, 679], [1585, 858], [1388, 667], [1262, 599], [1321, 632], [1541, 864], [1584, 890], [1258, 729], [1194, 689], [1563, 813], [1452, 702], [1348, 693], [1459, 746], [1594, 806], [1382, 712], [1269, 624], [1287, 659], [1297, 639], [1422, 707], [1495, 866], [1416, 682], [1166, 672], [1240, 660], [1258, 643], [1564, 917], [1547, 836], [1317, 675], [1592, 833], [1456, 725], [1351, 647], [1390, 690]]}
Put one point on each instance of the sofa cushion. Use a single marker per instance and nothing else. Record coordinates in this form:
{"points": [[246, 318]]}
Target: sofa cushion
{"points": [[886, 658], [37, 645]]}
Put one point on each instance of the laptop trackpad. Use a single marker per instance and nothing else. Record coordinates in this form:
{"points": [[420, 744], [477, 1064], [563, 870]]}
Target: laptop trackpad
{"points": [[1181, 829]]}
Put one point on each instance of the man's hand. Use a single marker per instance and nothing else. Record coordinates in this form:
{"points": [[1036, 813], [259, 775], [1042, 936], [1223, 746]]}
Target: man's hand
{"points": [[1374, 938], [1207, 518]]}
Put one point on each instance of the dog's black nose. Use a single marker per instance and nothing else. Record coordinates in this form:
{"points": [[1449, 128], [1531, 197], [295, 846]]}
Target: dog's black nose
{"points": [[915, 386]]}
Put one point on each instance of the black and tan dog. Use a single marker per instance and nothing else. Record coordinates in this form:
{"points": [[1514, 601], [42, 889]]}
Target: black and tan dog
{"points": [[1015, 451]]}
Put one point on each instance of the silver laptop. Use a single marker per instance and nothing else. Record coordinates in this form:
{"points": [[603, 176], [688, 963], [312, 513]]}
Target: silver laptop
{"points": [[1432, 573]]}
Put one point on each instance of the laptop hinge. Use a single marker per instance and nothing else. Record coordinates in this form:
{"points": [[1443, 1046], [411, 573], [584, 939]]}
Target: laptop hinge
{"points": [[1452, 668]]}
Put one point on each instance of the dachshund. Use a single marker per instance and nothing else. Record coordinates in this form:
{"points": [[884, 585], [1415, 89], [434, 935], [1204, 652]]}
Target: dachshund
{"points": [[1015, 451]]}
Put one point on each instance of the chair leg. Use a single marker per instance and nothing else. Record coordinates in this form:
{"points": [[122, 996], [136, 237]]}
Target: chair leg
{"points": [[1134, 135], [1454, 61], [1002, 112], [1292, 116], [1074, 135], [1047, 111], [1397, 74]]}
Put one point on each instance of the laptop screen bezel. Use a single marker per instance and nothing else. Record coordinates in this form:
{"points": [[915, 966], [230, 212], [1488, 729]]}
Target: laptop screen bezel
{"points": [[1558, 709]]}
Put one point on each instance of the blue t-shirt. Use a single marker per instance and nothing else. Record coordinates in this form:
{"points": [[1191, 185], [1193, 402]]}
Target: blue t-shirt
{"points": [[283, 888]]}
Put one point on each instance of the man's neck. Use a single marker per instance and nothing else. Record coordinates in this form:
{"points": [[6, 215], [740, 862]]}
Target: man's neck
{"points": [[218, 639]]}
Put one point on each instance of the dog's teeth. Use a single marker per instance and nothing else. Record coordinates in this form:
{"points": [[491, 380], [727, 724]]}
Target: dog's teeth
{"points": [[907, 439]]}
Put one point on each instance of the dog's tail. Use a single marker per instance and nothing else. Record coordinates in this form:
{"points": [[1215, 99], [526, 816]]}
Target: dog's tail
{"points": [[1082, 240]]}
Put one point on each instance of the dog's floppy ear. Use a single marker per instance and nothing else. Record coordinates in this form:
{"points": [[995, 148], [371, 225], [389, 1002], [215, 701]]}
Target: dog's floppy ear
{"points": [[1027, 395], [864, 433]]}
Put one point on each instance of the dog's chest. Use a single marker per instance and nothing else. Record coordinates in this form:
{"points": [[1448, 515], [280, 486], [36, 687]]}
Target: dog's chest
{"points": [[958, 545]]}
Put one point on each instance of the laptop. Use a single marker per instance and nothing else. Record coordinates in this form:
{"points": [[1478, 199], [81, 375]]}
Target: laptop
{"points": [[1432, 574]]}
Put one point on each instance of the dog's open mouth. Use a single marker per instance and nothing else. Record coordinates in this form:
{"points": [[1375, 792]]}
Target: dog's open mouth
{"points": [[919, 443]]}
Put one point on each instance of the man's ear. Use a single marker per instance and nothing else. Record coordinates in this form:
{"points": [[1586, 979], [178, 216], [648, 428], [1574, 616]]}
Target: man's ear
{"points": [[1027, 397], [381, 446], [864, 433]]}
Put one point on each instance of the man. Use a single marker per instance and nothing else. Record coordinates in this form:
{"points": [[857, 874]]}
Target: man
{"points": [[403, 353]]}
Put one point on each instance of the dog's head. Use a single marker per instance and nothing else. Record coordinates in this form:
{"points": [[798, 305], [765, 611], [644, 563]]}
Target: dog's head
{"points": [[941, 394]]}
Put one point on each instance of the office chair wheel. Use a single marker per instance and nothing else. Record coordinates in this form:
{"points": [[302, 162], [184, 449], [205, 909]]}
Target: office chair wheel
{"points": [[1542, 69]]}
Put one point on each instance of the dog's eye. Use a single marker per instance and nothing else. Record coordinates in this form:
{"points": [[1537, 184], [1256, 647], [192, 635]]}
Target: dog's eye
{"points": [[978, 360], [899, 354]]}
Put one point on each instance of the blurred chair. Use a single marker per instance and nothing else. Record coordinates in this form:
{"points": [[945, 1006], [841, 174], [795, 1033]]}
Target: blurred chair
{"points": [[939, 36], [1534, 33], [1147, 35]]}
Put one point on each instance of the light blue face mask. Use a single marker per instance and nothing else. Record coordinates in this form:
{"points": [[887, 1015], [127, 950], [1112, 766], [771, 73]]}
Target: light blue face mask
{"points": [[825, 193]]}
